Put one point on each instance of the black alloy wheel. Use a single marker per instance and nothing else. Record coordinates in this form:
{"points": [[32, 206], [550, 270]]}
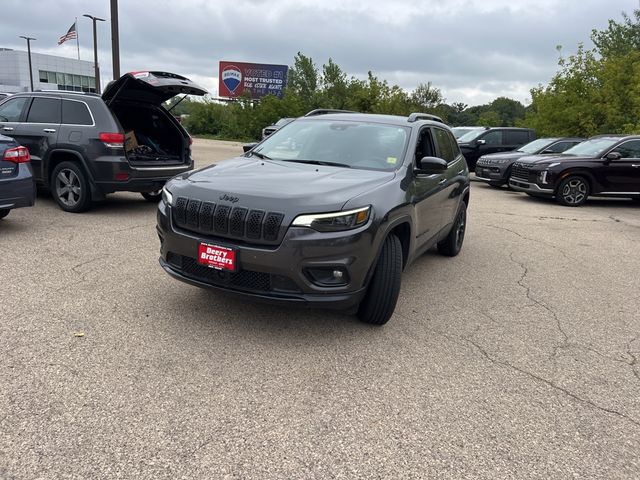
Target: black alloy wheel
{"points": [[452, 245]]}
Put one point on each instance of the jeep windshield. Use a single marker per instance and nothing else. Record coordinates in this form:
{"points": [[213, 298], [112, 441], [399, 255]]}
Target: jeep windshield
{"points": [[352, 144], [592, 148]]}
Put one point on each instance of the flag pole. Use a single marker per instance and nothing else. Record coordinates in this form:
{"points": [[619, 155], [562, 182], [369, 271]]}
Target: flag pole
{"points": [[77, 39]]}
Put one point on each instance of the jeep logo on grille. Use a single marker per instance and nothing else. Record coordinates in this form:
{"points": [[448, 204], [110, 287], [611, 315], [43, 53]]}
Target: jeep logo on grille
{"points": [[228, 198]]}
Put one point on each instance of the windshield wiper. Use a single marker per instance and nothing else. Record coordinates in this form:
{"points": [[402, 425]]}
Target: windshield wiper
{"points": [[260, 155], [319, 162]]}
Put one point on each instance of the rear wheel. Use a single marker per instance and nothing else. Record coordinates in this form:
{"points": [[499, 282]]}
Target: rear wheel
{"points": [[70, 187], [154, 196], [4, 213], [573, 191], [384, 288], [452, 245]]}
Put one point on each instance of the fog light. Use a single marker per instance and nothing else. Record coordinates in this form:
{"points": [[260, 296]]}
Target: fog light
{"points": [[328, 276]]}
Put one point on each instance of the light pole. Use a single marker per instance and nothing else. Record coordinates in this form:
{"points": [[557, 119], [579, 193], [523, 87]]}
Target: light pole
{"points": [[95, 50], [115, 40], [28, 39]]}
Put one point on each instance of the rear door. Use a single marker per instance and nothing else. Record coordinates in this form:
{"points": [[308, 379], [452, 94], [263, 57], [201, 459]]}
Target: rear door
{"points": [[40, 130], [623, 176], [514, 139]]}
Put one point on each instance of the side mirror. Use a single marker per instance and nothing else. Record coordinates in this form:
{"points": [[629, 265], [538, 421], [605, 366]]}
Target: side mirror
{"points": [[248, 146], [481, 142], [431, 165], [613, 156]]}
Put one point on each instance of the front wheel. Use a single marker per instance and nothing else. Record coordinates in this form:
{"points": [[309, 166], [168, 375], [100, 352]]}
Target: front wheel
{"points": [[452, 245], [384, 288], [154, 196], [70, 187], [573, 191], [4, 213]]}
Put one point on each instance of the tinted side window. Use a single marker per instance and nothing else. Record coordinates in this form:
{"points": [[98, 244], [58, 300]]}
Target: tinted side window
{"points": [[561, 146], [630, 149], [442, 139], [493, 138], [75, 113], [454, 145], [10, 110], [44, 110], [424, 148], [517, 137]]}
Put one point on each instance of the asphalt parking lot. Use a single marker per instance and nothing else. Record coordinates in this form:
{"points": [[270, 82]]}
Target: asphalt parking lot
{"points": [[520, 358]]}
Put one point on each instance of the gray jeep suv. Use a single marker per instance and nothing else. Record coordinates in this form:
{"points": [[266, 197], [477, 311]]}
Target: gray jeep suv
{"points": [[84, 146], [326, 211]]}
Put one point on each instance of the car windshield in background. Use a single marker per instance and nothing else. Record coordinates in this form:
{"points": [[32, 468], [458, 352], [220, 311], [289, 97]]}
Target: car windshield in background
{"points": [[460, 131], [536, 145], [350, 144], [592, 148], [471, 136]]}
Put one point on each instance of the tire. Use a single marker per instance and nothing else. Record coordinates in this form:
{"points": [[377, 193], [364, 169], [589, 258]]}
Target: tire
{"points": [[4, 213], [70, 187], [452, 245], [154, 196], [384, 288], [573, 191]]}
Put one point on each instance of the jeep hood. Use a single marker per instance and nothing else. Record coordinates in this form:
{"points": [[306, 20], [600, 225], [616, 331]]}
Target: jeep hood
{"points": [[276, 185]]}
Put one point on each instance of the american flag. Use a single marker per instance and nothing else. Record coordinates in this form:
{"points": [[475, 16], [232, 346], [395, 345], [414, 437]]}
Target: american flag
{"points": [[69, 35]]}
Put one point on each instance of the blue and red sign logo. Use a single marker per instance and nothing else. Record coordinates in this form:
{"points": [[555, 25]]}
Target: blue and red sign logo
{"points": [[256, 79], [231, 77]]}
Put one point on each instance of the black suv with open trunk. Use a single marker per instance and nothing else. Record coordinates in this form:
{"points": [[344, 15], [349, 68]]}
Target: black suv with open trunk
{"points": [[326, 211], [84, 146]]}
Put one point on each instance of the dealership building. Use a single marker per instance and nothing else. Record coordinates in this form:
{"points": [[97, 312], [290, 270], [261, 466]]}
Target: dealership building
{"points": [[49, 72]]}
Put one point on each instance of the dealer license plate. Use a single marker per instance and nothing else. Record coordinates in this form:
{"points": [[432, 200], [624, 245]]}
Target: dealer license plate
{"points": [[216, 256]]}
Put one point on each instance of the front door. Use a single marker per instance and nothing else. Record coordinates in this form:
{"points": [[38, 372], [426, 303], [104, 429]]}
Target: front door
{"points": [[426, 192], [40, 130], [623, 175], [12, 112]]}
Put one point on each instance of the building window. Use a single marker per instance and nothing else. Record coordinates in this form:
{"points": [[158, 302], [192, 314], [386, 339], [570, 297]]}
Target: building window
{"points": [[43, 76]]}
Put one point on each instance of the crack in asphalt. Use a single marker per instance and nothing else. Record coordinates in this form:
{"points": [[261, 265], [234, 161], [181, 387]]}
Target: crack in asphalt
{"points": [[525, 271], [541, 242]]}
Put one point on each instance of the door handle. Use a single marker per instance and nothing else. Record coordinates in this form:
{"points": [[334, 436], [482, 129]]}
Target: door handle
{"points": [[461, 172], [442, 181], [7, 129], [48, 130], [636, 165]]}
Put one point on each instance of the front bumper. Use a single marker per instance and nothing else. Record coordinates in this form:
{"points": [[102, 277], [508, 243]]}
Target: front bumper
{"points": [[529, 187], [491, 173], [18, 191], [139, 179], [275, 273]]}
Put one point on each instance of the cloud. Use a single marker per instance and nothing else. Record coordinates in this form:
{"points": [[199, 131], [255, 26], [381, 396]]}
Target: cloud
{"points": [[473, 50]]}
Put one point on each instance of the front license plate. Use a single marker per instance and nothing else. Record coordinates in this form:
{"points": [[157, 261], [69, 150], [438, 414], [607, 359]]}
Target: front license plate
{"points": [[216, 256]]}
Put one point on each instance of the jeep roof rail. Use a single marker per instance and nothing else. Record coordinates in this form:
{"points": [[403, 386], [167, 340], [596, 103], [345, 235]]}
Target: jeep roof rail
{"points": [[325, 111], [423, 116], [73, 92]]}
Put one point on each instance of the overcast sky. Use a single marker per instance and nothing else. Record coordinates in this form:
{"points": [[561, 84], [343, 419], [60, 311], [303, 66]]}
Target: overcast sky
{"points": [[474, 51]]}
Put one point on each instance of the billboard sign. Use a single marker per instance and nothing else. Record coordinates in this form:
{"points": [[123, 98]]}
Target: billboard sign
{"points": [[259, 79]]}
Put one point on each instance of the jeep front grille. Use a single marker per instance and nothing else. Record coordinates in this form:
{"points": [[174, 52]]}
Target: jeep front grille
{"points": [[223, 220]]}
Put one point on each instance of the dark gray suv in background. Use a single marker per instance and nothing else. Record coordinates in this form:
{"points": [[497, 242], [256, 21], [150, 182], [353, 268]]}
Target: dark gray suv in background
{"points": [[488, 140], [326, 211], [77, 140]]}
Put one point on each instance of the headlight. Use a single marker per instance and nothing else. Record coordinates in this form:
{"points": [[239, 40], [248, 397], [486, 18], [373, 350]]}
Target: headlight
{"points": [[334, 222], [166, 196]]}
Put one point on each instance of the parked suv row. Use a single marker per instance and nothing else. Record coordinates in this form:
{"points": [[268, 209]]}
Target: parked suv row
{"points": [[84, 146], [483, 141]]}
